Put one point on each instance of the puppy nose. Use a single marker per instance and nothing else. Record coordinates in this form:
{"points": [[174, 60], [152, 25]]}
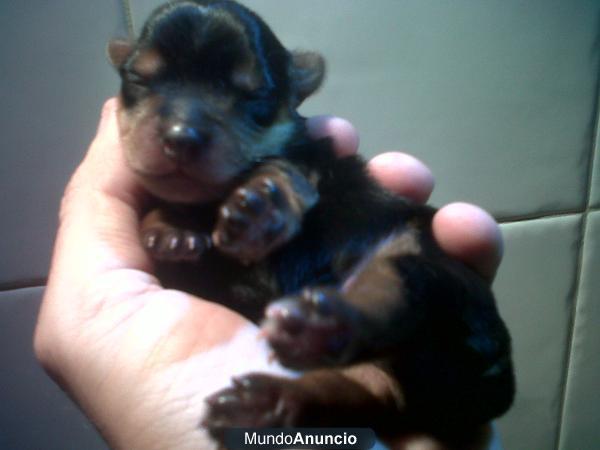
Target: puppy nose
{"points": [[183, 143]]}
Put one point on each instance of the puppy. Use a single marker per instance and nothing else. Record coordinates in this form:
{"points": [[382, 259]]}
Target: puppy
{"points": [[389, 331]]}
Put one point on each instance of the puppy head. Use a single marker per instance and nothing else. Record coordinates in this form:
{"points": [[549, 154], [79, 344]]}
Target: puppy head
{"points": [[207, 91]]}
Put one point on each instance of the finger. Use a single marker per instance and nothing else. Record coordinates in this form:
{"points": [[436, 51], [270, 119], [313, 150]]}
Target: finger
{"points": [[469, 234], [99, 210], [403, 174], [344, 136], [107, 113], [480, 439], [416, 442], [104, 166]]}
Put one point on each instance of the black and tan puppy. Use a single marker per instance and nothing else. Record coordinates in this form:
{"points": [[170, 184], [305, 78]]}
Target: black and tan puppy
{"points": [[391, 332]]}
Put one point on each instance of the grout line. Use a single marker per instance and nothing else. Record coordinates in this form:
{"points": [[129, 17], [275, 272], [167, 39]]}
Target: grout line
{"points": [[571, 328], [540, 215], [579, 270], [40, 282], [23, 284]]}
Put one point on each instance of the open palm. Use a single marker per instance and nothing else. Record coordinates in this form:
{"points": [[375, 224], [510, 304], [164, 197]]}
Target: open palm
{"points": [[140, 359]]}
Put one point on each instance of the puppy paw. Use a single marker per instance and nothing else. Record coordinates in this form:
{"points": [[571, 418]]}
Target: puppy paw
{"points": [[257, 218], [254, 400], [317, 328], [174, 245]]}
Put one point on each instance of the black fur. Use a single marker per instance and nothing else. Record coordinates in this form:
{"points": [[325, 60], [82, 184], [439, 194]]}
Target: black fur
{"points": [[434, 332]]}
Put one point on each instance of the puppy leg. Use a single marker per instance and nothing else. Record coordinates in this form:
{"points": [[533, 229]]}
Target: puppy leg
{"points": [[404, 295], [168, 240], [264, 213], [433, 320], [358, 396], [372, 311]]}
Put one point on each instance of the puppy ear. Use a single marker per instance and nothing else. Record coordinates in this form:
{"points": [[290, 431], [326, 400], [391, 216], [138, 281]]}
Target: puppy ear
{"points": [[307, 72], [118, 50]]}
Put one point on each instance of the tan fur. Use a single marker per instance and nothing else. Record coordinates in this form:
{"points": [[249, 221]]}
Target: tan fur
{"points": [[148, 63], [377, 381], [389, 286]]}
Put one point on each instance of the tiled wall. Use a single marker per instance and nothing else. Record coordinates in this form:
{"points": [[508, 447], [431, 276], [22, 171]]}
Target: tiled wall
{"points": [[498, 98]]}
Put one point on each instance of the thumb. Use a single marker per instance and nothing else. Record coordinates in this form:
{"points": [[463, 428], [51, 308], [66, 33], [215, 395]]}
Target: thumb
{"points": [[98, 221]]}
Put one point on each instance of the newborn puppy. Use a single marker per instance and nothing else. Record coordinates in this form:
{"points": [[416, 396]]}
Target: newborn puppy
{"points": [[390, 332]]}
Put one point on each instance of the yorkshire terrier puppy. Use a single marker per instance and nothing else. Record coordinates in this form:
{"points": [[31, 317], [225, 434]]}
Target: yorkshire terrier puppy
{"points": [[346, 279]]}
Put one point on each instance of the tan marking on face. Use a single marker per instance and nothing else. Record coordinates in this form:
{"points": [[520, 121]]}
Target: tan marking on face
{"points": [[140, 136], [245, 77], [206, 178], [148, 63]]}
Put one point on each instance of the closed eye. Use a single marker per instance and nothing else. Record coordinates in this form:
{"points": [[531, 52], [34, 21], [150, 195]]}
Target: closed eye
{"points": [[135, 78], [134, 86]]}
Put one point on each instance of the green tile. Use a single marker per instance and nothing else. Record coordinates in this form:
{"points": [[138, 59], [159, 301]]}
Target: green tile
{"points": [[35, 412], [595, 179], [55, 77], [497, 97], [534, 290], [580, 428]]}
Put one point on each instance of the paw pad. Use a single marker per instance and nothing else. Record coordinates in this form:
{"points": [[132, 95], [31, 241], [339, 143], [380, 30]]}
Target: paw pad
{"points": [[316, 328], [254, 400], [256, 219]]}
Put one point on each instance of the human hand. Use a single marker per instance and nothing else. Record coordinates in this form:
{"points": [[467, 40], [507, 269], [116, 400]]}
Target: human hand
{"points": [[140, 359]]}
